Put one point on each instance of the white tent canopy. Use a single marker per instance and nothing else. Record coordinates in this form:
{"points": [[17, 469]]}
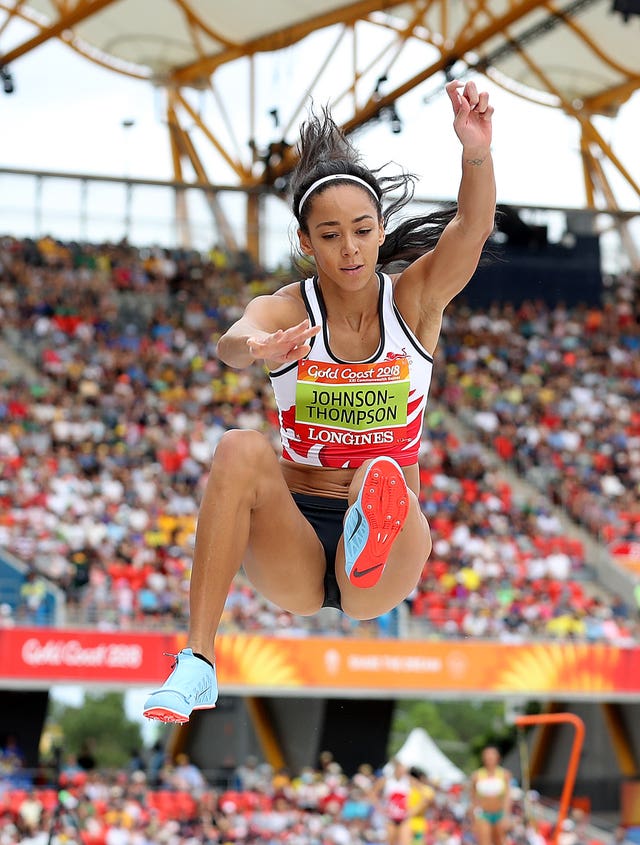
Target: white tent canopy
{"points": [[421, 751]]}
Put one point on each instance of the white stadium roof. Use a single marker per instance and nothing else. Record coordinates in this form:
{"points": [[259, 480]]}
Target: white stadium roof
{"points": [[579, 50], [581, 56]]}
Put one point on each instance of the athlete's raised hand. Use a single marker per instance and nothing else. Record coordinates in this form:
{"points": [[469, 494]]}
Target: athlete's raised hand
{"points": [[285, 345], [472, 114]]}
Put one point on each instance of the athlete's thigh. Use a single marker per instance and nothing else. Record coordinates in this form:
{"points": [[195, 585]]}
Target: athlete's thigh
{"points": [[498, 832], [483, 831], [285, 559], [413, 543]]}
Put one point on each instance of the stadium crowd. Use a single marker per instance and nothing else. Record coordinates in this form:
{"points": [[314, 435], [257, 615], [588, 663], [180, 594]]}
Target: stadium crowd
{"points": [[105, 452], [171, 802], [554, 391]]}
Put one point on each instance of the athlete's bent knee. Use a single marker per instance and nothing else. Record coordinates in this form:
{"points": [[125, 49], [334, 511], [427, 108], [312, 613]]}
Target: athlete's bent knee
{"points": [[308, 607], [242, 449], [356, 612], [429, 545]]}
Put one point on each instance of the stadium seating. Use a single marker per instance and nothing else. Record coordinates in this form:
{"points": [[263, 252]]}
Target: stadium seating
{"points": [[316, 806], [105, 444]]}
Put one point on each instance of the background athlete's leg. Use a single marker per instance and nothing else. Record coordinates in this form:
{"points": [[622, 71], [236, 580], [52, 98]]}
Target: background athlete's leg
{"points": [[247, 514], [405, 563]]}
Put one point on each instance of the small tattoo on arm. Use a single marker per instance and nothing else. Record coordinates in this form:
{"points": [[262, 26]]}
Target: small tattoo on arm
{"points": [[476, 162]]}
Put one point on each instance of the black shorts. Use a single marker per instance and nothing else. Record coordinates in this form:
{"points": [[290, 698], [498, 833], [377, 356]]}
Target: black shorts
{"points": [[325, 516]]}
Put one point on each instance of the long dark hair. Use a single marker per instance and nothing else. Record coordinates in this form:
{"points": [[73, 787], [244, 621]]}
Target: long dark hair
{"points": [[325, 150]]}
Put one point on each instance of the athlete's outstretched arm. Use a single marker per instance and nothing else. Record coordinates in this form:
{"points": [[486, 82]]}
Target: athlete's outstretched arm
{"points": [[431, 282], [270, 330]]}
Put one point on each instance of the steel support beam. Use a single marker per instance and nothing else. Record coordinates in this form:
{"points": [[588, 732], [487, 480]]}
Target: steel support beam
{"points": [[203, 68], [82, 10]]}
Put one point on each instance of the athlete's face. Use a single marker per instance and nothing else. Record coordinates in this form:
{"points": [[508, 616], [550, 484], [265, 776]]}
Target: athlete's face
{"points": [[490, 756], [344, 235]]}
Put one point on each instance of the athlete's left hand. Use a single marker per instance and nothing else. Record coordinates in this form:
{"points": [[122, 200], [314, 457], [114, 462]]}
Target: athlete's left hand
{"points": [[472, 115]]}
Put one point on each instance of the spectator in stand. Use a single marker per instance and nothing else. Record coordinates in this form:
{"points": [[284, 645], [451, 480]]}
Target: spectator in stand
{"points": [[249, 776], [308, 789], [7, 618], [187, 776], [12, 764], [30, 813], [621, 836], [157, 759], [33, 593]]}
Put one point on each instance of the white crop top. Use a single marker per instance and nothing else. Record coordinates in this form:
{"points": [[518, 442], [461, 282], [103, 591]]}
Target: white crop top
{"points": [[491, 785], [336, 413]]}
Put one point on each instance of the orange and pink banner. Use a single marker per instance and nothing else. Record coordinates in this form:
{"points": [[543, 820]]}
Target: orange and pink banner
{"points": [[253, 664]]}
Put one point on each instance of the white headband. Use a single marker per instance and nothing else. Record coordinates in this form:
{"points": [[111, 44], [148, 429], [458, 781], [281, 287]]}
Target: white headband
{"points": [[347, 176]]}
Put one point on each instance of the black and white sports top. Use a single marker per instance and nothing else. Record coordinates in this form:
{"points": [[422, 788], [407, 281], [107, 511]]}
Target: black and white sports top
{"points": [[336, 413]]}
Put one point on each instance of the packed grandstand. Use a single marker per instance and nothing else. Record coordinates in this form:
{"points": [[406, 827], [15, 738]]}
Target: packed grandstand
{"points": [[108, 428], [161, 800]]}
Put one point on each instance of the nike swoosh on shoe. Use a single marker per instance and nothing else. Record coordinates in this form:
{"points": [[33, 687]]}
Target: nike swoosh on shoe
{"points": [[360, 573]]}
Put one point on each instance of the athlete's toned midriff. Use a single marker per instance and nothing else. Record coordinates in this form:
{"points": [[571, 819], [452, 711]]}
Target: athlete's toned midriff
{"points": [[331, 482], [490, 788]]}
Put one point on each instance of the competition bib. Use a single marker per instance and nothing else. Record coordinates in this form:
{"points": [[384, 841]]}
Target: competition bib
{"points": [[352, 404]]}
